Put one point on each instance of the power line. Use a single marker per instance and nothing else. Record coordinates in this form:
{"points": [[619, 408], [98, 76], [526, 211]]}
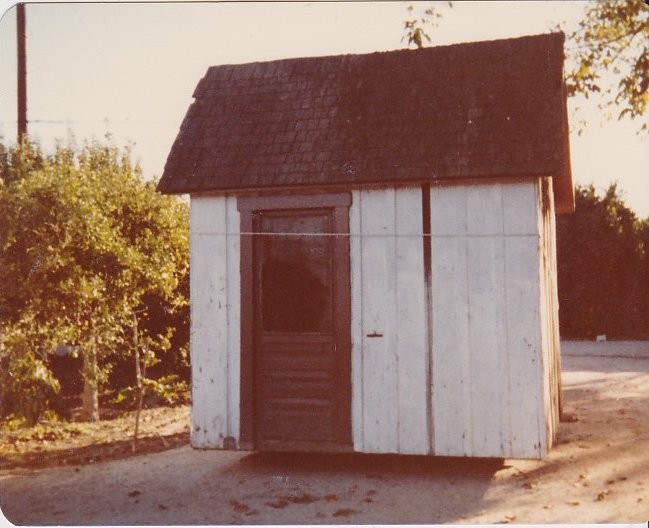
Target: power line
{"points": [[89, 121]]}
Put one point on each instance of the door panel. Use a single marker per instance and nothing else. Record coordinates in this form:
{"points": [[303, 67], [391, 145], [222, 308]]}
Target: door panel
{"points": [[300, 324]]}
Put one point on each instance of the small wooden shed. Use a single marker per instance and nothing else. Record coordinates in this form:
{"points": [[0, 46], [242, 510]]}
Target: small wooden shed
{"points": [[373, 250]]}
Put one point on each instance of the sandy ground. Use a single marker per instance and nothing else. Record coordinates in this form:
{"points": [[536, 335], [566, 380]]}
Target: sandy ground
{"points": [[598, 473]]}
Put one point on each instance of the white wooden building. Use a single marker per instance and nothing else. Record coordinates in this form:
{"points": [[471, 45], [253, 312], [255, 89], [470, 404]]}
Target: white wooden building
{"points": [[373, 261]]}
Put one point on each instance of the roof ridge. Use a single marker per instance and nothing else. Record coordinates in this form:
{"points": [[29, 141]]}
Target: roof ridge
{"points": [[428, 49]]}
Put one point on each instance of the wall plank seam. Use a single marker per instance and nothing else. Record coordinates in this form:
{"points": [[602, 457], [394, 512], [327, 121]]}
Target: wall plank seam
{"points": [[506, 436], [192, 335], [228, 318], [358, 367], [468, 447], [396, 350], [361, 311], [428, 271], [233, 303]]}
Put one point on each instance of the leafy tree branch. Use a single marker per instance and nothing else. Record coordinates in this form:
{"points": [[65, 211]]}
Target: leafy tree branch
{"points": [[610, 56], [415, 27]]}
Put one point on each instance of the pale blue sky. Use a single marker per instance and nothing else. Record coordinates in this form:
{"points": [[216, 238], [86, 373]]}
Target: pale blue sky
{"points": [[130, 69]]}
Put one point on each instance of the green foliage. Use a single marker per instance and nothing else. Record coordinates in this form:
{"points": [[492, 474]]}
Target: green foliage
{"points": [[603, 268], [86, 245], [27, 387], [414, 28], [16, 164], [168, 390], [46, 431], [612, 38]]}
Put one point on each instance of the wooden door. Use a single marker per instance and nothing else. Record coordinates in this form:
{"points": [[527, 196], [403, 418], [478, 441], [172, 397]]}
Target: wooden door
{"points": [[300, 369]]}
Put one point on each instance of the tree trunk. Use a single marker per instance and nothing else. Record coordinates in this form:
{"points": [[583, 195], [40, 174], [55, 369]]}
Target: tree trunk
{"points": [[90, 398], [139, 378]]}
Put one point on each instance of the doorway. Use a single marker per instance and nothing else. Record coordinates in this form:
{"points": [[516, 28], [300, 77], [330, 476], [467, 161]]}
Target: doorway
{"points": [[296, 317]]}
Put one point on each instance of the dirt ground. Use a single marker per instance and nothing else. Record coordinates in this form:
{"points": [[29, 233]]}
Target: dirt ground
{"points": [[598, 473], [78, 443]]}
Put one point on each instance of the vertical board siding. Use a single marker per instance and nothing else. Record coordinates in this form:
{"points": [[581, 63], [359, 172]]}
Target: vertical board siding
{"points": [[389, 410], [451, 369], [520, 209], [356, 321], [210, 313], [411, 322], [233, 262], [484, 209], [546, 362], [487, 335], [378, 313], [555, 316], [209, 321], [450, 315], [487, 350], [524, 291], [487, 345], [523, 337]]}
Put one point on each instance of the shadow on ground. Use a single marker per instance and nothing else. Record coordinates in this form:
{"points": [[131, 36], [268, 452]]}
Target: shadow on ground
{"points": [[357, 488], [370, 465], [99, 452]]}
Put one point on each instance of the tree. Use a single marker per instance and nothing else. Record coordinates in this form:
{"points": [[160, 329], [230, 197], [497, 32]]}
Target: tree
{"points": [[603, 268], [85, 245], [612, 38]]}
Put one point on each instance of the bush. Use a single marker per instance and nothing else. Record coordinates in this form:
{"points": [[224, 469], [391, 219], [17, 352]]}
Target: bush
{"points": [[27, 387]]}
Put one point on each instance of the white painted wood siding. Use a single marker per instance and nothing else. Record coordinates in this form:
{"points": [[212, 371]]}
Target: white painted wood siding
{"points": [[390, 398], [215, 326], [479, 381], [488, 395]]}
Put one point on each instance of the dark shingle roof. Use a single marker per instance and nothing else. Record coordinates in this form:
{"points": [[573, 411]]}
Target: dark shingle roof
{"points": [[484, 109]]}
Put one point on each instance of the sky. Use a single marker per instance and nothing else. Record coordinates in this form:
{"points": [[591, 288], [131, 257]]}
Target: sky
{"points": [[129, 69]]}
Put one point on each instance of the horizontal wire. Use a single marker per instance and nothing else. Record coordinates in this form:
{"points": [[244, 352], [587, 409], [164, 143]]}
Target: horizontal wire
{"points": [[385, 235], [88, 121]]}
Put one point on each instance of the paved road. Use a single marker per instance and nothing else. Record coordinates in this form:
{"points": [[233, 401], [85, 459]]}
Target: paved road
{"points": [[633, 349]]}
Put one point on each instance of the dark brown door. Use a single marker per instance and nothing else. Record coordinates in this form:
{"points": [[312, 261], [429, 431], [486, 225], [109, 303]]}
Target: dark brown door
{"points": [[300, 323]]}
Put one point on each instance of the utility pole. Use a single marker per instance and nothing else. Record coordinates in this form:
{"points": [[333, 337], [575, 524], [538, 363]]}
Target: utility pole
{"points": [[22, 72]]}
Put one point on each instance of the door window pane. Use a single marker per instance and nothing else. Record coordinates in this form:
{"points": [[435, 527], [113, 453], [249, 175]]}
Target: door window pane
{"points": [[295, 289]]}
